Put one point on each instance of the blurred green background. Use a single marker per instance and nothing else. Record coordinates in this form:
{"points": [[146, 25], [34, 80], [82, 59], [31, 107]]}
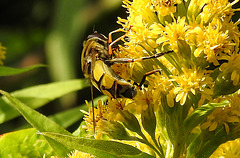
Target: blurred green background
{"points": [[51, 32]]}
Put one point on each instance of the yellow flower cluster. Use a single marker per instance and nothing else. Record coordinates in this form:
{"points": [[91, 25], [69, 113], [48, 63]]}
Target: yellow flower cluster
{"points": [[104, 114], [199, 39], [204, 67]]}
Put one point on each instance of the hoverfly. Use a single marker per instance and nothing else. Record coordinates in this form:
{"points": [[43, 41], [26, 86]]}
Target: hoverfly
{"points": [[96, 61]]}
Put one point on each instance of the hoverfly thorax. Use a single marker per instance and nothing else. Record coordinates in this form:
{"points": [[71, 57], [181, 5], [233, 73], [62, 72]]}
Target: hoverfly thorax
{"points": [[94, 48]]}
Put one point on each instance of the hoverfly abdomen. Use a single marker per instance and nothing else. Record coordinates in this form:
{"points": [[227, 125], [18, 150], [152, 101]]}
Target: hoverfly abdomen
{"points": [[106, 81], [126, 90]]}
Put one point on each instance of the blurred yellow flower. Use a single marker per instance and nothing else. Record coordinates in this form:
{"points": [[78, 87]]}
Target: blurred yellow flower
{"points": [[230, 149], [2, 53]]}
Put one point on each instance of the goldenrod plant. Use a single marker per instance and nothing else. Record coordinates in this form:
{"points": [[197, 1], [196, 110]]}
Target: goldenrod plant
{"points": [[190, 106]]}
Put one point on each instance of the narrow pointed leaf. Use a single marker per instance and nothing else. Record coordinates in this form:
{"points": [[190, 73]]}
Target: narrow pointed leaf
{"points": [[38, 96], [9, 71], [40, 122], [199, 115], [99, 148], [208, 146]]}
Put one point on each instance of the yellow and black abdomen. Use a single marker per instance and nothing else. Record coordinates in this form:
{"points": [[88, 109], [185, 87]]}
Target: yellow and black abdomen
{"points": [[109, 83]]}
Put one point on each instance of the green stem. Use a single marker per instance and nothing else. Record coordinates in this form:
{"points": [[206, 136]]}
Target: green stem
{"points": [[145, 141], [158, 145]]}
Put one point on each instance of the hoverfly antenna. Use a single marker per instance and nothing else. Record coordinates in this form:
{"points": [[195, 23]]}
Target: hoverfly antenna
{"points": [[94, 31]]}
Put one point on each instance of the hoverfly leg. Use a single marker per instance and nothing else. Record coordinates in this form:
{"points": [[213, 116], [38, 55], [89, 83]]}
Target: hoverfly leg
{"points": [[147, 74], [110, 35], [129, 60], [115, 87], [111, 42], [93, 114]]}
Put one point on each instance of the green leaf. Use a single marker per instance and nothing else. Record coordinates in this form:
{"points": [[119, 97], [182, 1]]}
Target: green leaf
{"points": [[207, 148], [40, 95], [214, 140], [99, 148], [199, 115], [40, 122], [24, 143], [9, 71]]}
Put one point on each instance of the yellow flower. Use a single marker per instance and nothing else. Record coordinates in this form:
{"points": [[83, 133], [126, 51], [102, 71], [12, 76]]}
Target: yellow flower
{"points": [[195, 81], [106, 117], [100, 121], [138, 23], [232, 66], [230, 149], [165, 7], [141, 101], [215, 8], [114, 108], [225, 115], [161, 85], [213, 42], [2, 53], [172, 33]]}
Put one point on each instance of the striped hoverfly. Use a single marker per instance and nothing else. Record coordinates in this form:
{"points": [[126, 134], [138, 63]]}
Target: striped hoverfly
{"points": [[96, 60]]}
